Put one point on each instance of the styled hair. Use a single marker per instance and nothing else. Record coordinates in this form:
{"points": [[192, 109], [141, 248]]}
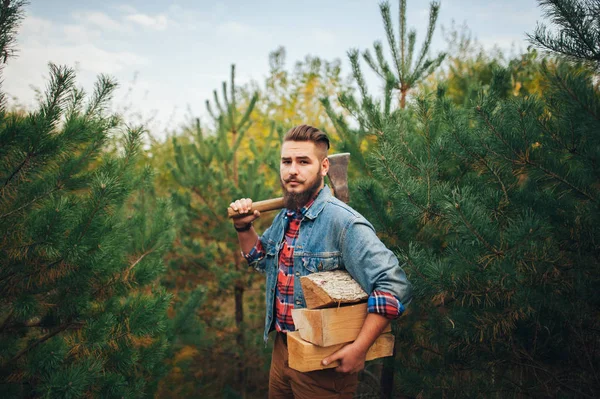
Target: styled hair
{"points": [[309, 133]]}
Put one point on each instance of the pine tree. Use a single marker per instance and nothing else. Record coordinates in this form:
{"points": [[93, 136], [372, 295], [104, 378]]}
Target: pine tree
{"points": [[81, 313], [212, 170], [406, 73], [470, 67], [495, 210], [579, 36]]}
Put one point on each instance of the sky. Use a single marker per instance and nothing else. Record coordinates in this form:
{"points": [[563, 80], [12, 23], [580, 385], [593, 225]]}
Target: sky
{"points": [[168, 56]]}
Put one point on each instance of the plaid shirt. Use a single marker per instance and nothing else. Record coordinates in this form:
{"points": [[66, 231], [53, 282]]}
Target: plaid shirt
{"points": [[379, 302]]}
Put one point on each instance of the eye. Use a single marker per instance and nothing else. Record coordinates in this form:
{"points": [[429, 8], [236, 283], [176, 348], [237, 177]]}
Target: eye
{"points": [[286, 162], [304, 162]]}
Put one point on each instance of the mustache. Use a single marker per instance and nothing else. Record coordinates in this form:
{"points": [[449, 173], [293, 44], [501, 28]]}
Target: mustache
{"points": [[293, 179]]}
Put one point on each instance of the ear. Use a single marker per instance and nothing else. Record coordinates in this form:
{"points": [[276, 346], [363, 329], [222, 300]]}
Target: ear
{"points": [[325, 166]]}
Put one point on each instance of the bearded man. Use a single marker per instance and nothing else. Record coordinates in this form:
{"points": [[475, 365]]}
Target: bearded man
{"points": [[317, 232]]}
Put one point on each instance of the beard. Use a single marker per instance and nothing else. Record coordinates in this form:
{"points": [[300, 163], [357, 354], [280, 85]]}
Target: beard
{"points": [[295, 201]]}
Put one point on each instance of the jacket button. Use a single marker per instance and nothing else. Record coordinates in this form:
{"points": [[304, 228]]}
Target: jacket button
{"points": [[298, 302], [320, 267], [298, 274]]}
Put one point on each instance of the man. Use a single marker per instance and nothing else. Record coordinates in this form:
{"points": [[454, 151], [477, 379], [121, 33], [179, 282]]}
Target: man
{"points": [[317, 232]]}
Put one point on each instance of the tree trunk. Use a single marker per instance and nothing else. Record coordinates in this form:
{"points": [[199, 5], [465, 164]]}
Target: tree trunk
{"points": [[387, 376], [239, 335], [403, 98]]}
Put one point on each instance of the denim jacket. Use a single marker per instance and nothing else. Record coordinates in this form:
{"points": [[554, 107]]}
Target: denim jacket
{"points": [[332, 236]]}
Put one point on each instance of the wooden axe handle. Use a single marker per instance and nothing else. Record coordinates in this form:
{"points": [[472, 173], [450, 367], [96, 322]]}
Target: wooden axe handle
{"points": [[261, 206]]}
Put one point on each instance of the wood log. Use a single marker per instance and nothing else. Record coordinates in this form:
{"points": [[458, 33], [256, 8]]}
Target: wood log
{"points": [[328, 289], [330, 326], [304, 356]]}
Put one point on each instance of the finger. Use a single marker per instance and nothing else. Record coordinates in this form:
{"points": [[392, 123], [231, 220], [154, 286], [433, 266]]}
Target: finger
{"points": [[246, 204], [331, 358], [243, 206]]}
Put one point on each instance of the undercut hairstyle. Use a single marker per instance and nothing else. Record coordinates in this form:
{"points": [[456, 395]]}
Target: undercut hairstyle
{"points": [[309, 133]]}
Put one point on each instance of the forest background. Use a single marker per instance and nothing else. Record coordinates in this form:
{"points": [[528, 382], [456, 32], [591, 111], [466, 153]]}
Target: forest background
{"points": [[121, 275]]}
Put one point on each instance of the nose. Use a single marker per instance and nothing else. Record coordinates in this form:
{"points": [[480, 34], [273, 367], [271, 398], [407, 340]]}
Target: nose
{"points": [[293, 170]]}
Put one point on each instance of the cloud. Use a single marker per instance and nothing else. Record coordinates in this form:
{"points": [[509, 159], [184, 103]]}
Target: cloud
{"points": [[80, 34], [125, 9], [158, 22], [232, 28], [87, 43], [33, 26], [98, 19], [323, 37]]}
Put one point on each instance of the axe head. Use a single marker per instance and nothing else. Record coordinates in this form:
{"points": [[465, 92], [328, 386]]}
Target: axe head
{"points": [[338, 175]]}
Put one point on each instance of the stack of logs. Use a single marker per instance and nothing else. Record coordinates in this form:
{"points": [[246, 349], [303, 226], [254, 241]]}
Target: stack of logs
{"points": [[335, 311]]}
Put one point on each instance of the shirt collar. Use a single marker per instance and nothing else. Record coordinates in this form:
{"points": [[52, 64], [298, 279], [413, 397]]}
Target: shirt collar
{"points": [[322, 198]]}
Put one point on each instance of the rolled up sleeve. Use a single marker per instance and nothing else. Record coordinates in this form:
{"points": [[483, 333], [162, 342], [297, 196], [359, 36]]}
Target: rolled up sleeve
{"points": [[385, 304], [256, 254]]}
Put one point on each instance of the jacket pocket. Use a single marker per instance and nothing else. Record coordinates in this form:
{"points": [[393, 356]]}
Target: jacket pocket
{"points": [[270, 248], [321, 263]]}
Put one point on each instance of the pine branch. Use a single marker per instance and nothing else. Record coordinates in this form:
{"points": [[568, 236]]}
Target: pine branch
{"points": [[433, 14], [472, 229], [412, 39], [197, 191], [137, 261], [371, 62], [11, 15], [356, 72], [561, 179], [552, 375], [46, 337], [233, 103], [33, 201], [528, 161], [563, 85], [7, 320], [389, 32], [18, 169], [405, 63], [230, 110], [483, 160], [104, 88], [219, 107], [91, 218], [408, 195], [573, 19]]}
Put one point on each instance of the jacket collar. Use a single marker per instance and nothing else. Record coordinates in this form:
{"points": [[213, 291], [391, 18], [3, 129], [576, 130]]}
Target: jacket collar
{"points": [[322, 199]]}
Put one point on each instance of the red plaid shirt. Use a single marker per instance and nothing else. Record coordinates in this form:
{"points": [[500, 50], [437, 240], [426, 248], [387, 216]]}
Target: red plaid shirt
{"points": [[284, 291], [379, 302]]}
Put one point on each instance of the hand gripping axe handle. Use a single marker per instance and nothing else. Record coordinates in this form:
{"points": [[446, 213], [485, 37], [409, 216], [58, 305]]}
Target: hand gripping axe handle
{"points": [[338, 176]]}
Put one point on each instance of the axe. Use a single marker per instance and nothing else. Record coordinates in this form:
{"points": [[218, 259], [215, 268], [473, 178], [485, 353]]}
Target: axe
{"points": [[338, 177]]}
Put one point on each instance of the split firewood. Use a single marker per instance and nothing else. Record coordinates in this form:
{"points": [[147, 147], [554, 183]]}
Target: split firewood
{"points": [[330, 326], [304, 356], [328, 289]]}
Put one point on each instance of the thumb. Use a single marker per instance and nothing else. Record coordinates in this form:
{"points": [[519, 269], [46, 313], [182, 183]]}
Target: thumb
{"points": [[331, 358]]}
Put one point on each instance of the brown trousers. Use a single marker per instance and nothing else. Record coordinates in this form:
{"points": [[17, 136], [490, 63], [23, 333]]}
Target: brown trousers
{"points": [[285, 382]]}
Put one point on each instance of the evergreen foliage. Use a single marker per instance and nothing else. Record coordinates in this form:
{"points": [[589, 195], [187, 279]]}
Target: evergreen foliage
{"points": [[211, 171], [80, 311], [75, 257], [469, 69], [407, 71], [579, 30], [494, 211]]}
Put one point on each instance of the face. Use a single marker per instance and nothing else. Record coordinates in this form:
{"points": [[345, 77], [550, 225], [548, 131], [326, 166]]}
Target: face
{"points": [[301, 171]]}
